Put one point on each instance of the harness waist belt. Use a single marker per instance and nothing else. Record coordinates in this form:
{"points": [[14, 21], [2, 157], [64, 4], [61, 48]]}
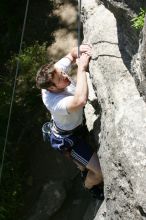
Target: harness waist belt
{"points": [[63, 132]]}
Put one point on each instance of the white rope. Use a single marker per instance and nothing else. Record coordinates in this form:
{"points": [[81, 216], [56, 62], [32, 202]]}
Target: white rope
{"points": [[79, 26], [13, 92]]}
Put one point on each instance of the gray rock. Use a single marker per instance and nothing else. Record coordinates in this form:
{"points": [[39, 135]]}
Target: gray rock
{"points": [[101, 215], [50, 200], [123, 112]]}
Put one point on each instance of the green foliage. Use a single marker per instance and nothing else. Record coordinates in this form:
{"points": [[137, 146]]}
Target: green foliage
{"points": [[30, 61], [24, 118], [138, 21], [11, 192], [39, 25], [27, 112]]}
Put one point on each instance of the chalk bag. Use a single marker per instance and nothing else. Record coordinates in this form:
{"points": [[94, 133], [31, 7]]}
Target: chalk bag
{"points": [[46, 131]]}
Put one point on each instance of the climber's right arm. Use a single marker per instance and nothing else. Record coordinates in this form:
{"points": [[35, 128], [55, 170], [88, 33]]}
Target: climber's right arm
{"points": [[81, 93]]}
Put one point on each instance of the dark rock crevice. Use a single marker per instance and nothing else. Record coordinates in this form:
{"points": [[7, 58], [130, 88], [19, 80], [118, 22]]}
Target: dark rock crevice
{"points": [[141, 211], [128, 38]]}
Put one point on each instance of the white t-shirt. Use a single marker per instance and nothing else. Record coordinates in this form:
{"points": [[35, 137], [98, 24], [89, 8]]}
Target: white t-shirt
{"points": [[56, 102]]}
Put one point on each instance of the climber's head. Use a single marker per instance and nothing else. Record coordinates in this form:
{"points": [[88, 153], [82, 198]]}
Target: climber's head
{"points": [[52, 78]]}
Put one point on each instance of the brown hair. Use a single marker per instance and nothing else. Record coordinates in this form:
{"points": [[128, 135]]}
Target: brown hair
{"points": [[44, 76]]}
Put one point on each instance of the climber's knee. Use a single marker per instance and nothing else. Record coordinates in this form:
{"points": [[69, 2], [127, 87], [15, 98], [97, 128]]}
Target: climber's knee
{"points": [[94, 164], [92, 179], [95, 170]]}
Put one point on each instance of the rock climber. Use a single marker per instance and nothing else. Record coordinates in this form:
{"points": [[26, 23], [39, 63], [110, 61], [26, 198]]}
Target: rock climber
{"points": [[65, 99]]}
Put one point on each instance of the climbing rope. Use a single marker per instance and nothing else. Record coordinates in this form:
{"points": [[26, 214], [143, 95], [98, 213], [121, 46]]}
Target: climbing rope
{"points": [[79, 26], [13, 91]]}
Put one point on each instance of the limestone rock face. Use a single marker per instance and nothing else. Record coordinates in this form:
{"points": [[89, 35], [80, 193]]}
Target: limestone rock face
{"points": [[121, 109]]}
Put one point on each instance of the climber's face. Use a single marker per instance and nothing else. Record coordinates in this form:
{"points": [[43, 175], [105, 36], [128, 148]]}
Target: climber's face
{"points": [[60, 81]]}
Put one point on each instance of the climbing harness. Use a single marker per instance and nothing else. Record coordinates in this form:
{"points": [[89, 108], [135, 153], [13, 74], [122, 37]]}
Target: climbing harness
{"points": [[13, 91], [50, 126], [79, 26]]}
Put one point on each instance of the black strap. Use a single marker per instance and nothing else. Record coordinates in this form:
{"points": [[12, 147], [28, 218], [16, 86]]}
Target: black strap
{"points": [[63, 132]]}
